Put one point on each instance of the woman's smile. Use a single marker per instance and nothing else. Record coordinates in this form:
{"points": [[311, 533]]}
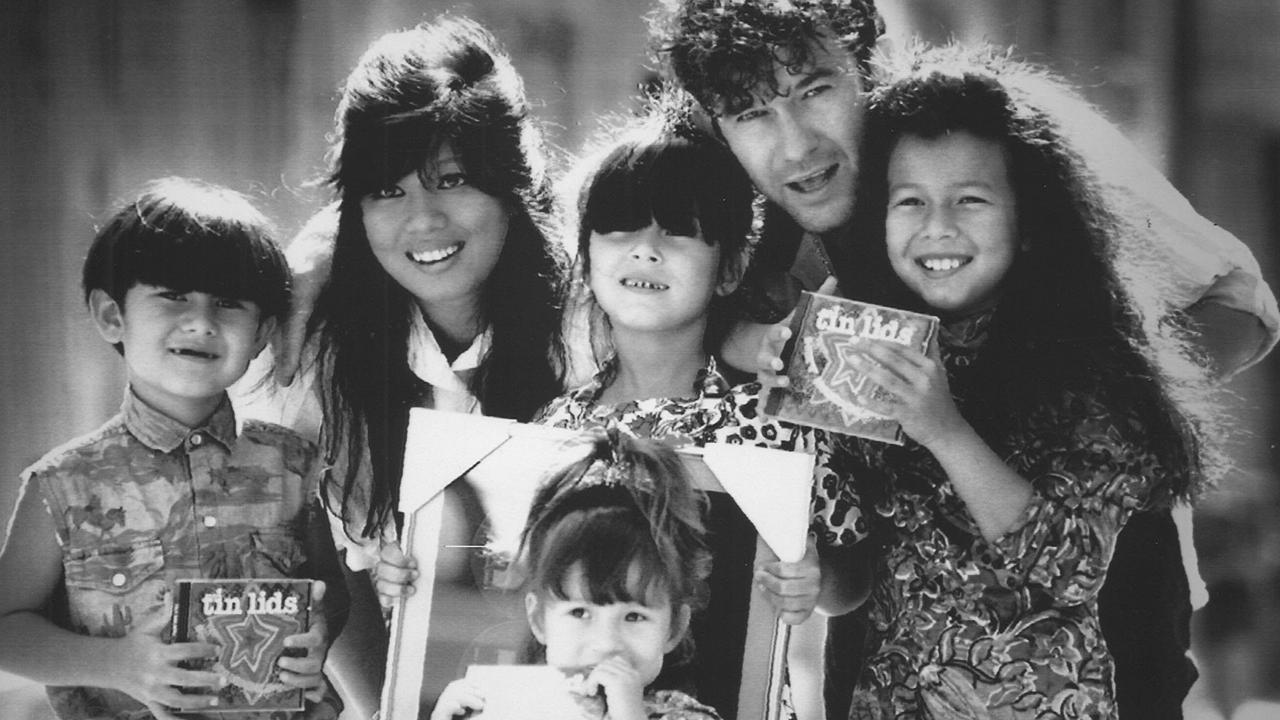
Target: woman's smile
{"points": [[435, 256]]}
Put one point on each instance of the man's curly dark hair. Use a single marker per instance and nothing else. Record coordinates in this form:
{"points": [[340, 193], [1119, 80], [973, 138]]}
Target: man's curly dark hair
{"points": [[723, 51]]}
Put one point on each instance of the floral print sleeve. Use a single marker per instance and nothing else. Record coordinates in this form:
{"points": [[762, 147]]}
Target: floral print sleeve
{"points": [[837, 517], [1084, 494], [1009, 628]]}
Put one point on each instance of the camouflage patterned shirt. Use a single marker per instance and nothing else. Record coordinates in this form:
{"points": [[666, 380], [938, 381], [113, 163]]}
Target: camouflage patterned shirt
{"points": [[144, 501]]}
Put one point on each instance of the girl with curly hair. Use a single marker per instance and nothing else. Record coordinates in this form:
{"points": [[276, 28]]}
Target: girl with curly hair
{"points": [[1058, 401]]}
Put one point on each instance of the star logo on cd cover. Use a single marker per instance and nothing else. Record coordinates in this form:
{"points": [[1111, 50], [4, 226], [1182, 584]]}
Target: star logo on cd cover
{"points": [[247, 642]]}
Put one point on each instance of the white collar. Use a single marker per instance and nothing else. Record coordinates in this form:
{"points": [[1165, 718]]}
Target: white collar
{"points": [[428, 362]]}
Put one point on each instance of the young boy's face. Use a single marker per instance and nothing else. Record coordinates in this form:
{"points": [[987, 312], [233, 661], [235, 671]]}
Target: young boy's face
{"points": [[800, 146], [182, 349], [951, 226]]}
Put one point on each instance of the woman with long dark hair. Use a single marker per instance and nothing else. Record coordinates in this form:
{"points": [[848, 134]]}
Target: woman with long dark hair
{"points": [[444, 289], [439, 285]]}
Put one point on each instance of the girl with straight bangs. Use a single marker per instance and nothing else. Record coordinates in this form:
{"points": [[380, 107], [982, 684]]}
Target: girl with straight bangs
{"points": [[614, 562], [444, 290], [666, 219], [661, 173], [1055, 407]]}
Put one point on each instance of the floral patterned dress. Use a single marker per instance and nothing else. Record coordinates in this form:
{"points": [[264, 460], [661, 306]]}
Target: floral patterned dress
{"points": [[733, 417], [966, 628]]}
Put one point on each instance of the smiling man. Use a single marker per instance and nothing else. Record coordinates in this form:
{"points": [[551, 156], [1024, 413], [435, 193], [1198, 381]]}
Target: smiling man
{"points": [[798, 137], [783, 82]]}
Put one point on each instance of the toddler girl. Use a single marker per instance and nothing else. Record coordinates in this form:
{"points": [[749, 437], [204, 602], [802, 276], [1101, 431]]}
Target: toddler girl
{"points": [[615, 563]]}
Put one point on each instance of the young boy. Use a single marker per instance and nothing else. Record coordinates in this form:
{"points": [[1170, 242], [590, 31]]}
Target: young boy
{"points": [[186, 283]]}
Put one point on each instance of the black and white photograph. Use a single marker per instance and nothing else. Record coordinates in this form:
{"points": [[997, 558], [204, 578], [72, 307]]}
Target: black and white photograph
{"points": [[468, 316]]}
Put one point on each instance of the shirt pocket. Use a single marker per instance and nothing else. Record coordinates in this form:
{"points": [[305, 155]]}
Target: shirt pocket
{"points": [[110, 587], [116, 570], [272, 553]]}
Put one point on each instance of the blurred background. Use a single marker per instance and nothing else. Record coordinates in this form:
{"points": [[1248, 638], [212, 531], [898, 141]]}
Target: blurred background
{"points": [[98, 97]]}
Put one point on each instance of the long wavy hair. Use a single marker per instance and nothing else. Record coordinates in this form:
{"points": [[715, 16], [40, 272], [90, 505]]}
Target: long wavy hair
{"points": [[1084, 307], [444, 81]]}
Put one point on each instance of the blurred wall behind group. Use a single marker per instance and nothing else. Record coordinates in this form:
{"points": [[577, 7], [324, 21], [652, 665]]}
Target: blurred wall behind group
{"points": [[98, 97]]}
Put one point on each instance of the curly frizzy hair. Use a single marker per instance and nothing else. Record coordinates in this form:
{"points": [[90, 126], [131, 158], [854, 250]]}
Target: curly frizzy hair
{"points": [[724, 52], [628, 517], [1085, 304]]}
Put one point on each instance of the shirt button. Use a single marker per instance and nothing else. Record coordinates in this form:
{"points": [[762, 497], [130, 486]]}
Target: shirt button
{"points": [[210, 521], [197, 439], [118, 579]]}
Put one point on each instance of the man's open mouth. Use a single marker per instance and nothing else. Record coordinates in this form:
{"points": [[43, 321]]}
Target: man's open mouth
{"points": [[814, 181]]}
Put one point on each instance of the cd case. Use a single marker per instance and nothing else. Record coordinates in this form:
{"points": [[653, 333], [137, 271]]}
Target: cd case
{"points": [[248, 620], [826, 389]]}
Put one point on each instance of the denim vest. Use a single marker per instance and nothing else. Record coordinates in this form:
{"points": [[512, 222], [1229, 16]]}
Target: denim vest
{"points": [[144, 501]]}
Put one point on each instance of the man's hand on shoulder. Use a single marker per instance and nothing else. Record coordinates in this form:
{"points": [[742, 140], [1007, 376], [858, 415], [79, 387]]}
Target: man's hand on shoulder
{"points": [[1230, 338]]}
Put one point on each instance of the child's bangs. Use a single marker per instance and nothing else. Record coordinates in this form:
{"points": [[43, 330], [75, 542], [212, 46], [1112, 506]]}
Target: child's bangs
{"points": [[207, 259], [633, 189], [615, 555]]}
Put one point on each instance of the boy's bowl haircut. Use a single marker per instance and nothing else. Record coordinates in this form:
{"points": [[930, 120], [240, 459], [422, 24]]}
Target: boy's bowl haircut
{"points": [[190, 236]]}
